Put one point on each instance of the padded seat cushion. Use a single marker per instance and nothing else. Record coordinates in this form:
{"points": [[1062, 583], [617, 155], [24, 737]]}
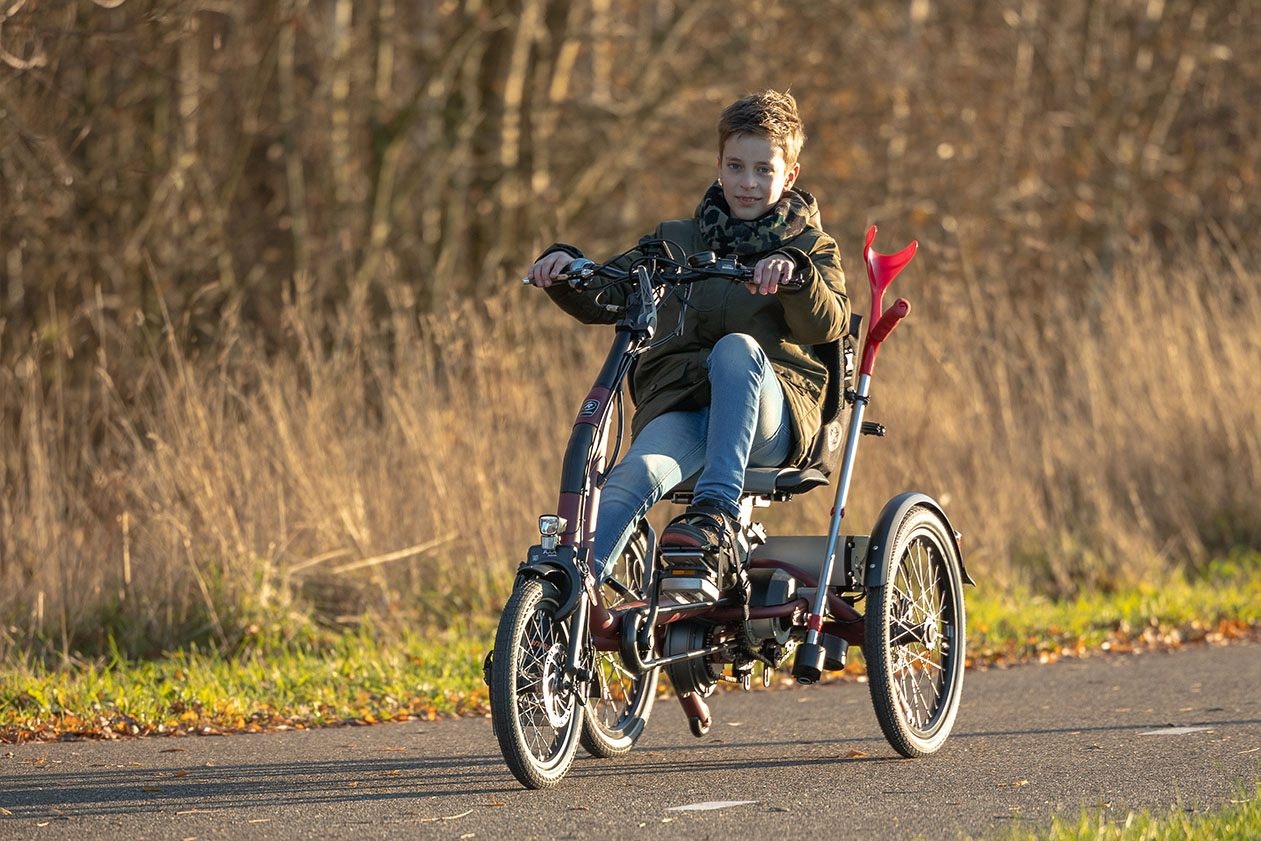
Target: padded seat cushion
{"points": [[764, 481]]}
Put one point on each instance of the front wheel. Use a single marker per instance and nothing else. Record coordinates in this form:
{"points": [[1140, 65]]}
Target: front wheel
{"points": [[914, 635], [536, 718]]}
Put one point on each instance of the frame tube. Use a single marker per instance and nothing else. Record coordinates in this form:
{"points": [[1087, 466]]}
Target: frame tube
{"points": [[815, 620]]}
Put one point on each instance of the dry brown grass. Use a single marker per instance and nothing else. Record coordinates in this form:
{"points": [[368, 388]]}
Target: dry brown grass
{"points": [[1078, 442], [220, 416]]}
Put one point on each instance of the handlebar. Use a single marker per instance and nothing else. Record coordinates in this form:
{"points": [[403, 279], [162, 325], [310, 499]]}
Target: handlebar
{"points": [[582, 271], [700, 266]]}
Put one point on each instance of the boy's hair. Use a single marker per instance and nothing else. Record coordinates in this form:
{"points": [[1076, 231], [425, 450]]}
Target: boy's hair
{"points": [[768, 114]]}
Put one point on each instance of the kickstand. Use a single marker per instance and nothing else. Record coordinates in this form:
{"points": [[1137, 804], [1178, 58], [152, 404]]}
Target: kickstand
{"points": [[697, 712]]}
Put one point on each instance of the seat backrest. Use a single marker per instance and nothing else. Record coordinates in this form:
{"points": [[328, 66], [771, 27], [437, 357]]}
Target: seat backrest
{"points": [[838, 357]]}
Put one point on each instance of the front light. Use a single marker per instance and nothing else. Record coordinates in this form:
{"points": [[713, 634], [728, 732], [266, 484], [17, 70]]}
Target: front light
{"points": [[550, 525]]}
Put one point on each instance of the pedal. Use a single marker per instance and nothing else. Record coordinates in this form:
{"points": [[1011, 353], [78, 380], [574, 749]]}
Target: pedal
{"points": [[686, 578]]}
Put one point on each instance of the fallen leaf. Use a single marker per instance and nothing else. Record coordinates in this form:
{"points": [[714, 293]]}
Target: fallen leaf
{"points": [[181, 773], [151, 788], [5, 812], [855, 754], [495, 803]]}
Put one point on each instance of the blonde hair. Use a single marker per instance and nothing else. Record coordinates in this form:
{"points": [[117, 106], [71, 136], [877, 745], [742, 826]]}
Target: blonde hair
{"points": [[768, 114]]}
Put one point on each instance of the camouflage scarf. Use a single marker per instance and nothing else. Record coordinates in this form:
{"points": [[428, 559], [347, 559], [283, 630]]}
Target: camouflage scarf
{"points": [[728, 235]]}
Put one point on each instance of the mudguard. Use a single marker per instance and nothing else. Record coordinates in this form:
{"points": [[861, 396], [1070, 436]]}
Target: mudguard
{"points": [[558, 566], [879, 551]]}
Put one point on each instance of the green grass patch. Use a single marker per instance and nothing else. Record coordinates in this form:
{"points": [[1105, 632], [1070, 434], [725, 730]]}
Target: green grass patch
{"points": [[1220, 604], [356, 678], [367, 677], [1239, 820]]}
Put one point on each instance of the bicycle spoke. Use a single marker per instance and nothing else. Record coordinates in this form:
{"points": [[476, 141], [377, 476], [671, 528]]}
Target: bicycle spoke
{"points": [[920, 633]]}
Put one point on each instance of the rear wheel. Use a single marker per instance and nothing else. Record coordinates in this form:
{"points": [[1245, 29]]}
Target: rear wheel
{"points": [[914, 636], [622, 701], [536, 720]]}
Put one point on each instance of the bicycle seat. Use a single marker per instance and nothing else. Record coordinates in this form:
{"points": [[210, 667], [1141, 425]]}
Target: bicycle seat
{"points": [[769, 481]]}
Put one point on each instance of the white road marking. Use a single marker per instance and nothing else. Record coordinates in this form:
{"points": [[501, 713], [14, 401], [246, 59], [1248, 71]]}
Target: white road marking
{"points": [[1175, 731], [710, 805]]}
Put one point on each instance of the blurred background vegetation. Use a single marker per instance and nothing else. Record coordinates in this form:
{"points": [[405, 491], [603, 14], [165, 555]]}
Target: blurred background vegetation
{"points": [[265, 368]]}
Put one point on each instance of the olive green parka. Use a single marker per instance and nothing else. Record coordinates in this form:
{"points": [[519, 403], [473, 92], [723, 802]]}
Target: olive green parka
{"points": [[674, 375]]}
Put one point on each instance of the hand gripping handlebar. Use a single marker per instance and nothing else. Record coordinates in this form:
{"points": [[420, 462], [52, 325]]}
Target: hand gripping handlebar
{"points": [[705, 264]]}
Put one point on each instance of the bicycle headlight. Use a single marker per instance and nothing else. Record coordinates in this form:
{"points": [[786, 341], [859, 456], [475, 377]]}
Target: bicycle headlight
{"points": [[550, 525]]}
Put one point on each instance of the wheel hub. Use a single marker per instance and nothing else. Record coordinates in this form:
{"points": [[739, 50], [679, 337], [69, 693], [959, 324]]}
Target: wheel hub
{"points": [[931, 635], [556, 702], [697, 674]]}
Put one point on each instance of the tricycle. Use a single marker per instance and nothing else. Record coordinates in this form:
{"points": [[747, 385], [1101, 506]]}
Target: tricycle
{"points": [[579, 651]]}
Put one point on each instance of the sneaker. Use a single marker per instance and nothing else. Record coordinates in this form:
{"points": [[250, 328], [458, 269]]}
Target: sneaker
{"points": [[696, 548]]}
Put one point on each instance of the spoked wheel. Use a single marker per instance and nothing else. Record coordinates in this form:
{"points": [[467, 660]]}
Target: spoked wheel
{"points": [[536, 720], [622, 701], [914, 636]]}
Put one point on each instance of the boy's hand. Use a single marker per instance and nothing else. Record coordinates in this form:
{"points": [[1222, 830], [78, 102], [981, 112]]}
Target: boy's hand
{"points": [[543, 273], [770, 273]]}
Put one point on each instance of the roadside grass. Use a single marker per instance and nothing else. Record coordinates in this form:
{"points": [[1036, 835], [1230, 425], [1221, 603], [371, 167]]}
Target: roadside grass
{"points": [[353, 679], [367, 677], [179, 495], [1223, 602], [1240, 820]]}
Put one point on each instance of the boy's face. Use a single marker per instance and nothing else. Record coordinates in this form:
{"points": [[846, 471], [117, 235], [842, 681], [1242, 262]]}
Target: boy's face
{"points": [[753, 174]]}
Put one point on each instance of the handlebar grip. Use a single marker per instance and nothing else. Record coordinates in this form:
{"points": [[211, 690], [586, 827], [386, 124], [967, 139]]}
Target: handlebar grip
{"points": [[889, 320]]}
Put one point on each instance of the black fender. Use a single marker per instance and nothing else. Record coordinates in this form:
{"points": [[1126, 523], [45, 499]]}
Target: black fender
{"points": [[880, 549], [558, 567]]}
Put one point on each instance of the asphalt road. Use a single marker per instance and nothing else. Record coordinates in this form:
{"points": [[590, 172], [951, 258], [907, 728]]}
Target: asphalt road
{"points": [[1118, 732]]}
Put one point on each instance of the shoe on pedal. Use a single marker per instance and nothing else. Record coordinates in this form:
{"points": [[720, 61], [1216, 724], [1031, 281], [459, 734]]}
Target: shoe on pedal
{"points": [[696, 548]]}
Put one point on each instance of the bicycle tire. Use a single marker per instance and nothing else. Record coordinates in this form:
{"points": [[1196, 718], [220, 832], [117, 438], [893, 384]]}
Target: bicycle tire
{"points": [[537, 725], [914, 636]]}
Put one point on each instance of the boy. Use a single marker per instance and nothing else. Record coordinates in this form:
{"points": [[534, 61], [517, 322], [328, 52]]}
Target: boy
{"points": [[740, 386]]}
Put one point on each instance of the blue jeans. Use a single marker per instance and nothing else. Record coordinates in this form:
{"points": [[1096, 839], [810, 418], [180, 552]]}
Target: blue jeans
{"points": [[746, 424]]}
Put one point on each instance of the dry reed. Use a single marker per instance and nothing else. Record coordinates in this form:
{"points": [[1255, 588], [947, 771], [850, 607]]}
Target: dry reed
{"points": [[1077, 441]]}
